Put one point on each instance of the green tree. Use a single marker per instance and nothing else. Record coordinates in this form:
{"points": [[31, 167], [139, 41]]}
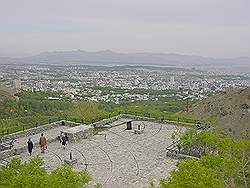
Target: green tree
{"points": [[65, 177], [33, 174], [87, 111], [19, 175], [192, 174], [225, 162]]}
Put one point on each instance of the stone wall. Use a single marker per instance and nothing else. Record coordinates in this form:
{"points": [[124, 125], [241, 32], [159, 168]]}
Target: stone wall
{"points": [[98, 124], [80, 134], [104, 122], [39, 129]]}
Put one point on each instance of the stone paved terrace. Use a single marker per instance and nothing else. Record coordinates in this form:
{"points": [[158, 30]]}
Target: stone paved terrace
{"points": [[52, 133], [124, 159]]}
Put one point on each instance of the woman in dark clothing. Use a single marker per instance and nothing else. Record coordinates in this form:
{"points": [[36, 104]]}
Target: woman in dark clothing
{"points": [[64, 141], [30, 146]]}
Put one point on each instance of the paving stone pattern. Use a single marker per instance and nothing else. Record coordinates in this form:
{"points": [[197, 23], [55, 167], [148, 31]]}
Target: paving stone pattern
{"points": [[123, 159]]}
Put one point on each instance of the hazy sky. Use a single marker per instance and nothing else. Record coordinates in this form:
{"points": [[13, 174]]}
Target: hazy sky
{"points": [[218, 28]]}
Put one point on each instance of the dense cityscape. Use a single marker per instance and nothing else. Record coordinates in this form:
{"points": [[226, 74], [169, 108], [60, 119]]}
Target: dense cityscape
{"points": [[124, 94], [119, 83]]}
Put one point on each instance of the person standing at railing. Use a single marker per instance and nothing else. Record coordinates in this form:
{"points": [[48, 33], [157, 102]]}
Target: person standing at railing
{"points": [[30, 146], [43, 143]]}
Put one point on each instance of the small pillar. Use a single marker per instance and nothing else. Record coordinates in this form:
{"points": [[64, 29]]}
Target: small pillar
{"points": [[71, 161], [129, 125]]}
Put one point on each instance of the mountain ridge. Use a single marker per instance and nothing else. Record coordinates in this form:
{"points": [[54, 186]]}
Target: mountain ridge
{"points": [[108, 56]]}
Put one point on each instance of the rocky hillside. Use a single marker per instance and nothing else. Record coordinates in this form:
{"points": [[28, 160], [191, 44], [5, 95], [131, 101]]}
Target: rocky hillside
{"points": [[232, 109]]}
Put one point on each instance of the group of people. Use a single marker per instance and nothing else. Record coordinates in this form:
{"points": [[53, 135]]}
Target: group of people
{"points": [[63, 139], [42, 143]]}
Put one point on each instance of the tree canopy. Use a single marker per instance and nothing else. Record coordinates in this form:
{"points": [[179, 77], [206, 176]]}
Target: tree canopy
{"points": [[224, 162], [33, 174]]}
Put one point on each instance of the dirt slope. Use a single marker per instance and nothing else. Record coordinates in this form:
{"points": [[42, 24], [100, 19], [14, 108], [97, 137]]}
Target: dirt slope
{"points": [[231, 108]]}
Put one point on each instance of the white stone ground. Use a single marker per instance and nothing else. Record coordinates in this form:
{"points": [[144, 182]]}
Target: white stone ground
{"points": [[52, 133], [125, 159]]}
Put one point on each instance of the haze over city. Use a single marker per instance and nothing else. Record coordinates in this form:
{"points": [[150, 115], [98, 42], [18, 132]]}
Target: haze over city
{"points": [[211, 28], [124, 93]]}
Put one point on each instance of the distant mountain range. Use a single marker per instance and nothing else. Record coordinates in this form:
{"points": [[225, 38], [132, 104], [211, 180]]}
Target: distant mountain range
{"points": [[110, 57]]}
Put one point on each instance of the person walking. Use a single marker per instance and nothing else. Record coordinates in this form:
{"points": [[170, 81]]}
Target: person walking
{"points": [[64, 141], [43, 143], [30, 146], [60, 137]]}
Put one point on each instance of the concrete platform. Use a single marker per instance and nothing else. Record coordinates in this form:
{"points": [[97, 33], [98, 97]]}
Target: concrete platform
{"points": [[79, 132], [123, 159]]}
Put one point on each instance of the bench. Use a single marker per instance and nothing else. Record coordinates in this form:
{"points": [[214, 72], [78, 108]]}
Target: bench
{"points": [[139, 131]]}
